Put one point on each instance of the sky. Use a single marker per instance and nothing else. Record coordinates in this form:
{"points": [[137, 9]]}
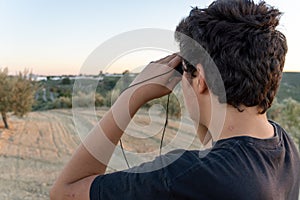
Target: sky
{"points": [[55, 37]]}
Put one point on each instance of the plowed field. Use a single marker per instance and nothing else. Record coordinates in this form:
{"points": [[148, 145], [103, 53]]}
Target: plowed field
{"points": [[34, 150]]}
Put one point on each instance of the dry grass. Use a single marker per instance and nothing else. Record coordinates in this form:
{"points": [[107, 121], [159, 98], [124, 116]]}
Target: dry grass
{"points": [[34, 150]]}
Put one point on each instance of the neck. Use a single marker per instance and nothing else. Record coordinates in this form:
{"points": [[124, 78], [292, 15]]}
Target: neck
{"points": [[246, 123]]}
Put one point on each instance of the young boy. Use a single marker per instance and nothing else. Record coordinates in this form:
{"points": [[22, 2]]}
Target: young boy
{"points": [[252, 157]]}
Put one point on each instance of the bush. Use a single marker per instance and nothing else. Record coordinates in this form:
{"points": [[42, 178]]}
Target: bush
{"points": [[66, 81], [86, 100], [63, 102], [174, 105]]}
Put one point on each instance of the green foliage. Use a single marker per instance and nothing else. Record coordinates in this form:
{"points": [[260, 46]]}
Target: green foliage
{"points": [[107, 84], [53, 94], [16, 94], [290, 86], [62, 102], [109, 89], [88, 99], [22, 95], [6, 86], [107, 101], [66, 81], [81, 100], [99, 100], [5, 95], [174, 105]]}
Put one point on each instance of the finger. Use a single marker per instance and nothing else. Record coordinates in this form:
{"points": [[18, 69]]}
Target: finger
{"points": [[166, 59], [175, 61]]}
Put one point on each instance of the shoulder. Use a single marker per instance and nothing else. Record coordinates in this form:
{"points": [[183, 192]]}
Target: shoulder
{"points": [[196, 174], [205, 164], [284, 137], [287, 142]]}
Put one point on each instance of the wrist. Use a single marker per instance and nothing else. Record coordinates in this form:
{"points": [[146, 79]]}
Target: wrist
{"points": [[130, 101]]}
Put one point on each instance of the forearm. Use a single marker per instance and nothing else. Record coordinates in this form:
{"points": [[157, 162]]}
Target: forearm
{"points": [[102, 140], [92, 156]]}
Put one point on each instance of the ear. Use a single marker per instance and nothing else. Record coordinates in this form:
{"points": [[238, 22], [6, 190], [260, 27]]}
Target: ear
{"points": [[200, 79]]}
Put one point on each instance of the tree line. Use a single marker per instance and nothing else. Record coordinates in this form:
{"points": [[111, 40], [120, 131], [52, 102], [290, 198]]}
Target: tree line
{"points": [[17, 96]]}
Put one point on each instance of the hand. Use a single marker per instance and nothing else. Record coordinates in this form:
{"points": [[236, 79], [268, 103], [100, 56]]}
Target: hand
{"points": [[157, 79]]}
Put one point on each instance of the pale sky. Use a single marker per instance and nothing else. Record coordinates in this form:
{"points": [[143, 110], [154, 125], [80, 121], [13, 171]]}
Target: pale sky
{"points": [[55, 37]]}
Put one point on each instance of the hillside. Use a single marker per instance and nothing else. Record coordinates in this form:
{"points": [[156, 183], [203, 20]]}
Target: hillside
{"points": [[290, 86]]}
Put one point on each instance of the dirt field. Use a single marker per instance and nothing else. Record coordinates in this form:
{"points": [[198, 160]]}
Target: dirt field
{"points": [[34, 150]]}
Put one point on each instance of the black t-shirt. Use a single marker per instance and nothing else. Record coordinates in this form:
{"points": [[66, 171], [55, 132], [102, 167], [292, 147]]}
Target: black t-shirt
{"points": [[235, 168]]}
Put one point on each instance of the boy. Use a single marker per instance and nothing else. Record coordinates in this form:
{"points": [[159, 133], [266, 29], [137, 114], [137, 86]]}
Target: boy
{"points": [[252, 157]]}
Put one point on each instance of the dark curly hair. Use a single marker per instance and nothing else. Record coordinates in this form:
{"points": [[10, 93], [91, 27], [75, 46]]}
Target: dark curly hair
{"points": [[242, 41]]}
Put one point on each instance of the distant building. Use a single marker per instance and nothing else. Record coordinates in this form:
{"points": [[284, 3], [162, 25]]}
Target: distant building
{"points": [[97, 78], [39, 78]]}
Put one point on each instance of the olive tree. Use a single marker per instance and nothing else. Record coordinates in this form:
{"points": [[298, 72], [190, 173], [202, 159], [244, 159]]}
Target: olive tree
{"points": [[16, 94]]}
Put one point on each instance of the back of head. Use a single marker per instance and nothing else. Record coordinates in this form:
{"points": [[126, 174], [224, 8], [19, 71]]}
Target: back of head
{"points": [[241, 38]]}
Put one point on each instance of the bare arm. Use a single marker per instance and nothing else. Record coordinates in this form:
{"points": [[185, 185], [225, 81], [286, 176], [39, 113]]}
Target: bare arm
{"points": [[91, 157]]}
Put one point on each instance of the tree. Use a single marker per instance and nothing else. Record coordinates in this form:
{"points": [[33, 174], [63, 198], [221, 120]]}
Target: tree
{"points": [[23, 91], [66, 81], [5, 95], [16, 94]]}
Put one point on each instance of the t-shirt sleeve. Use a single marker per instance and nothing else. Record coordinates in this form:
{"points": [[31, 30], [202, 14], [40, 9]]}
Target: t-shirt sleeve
{"points": [[147, 181]]}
